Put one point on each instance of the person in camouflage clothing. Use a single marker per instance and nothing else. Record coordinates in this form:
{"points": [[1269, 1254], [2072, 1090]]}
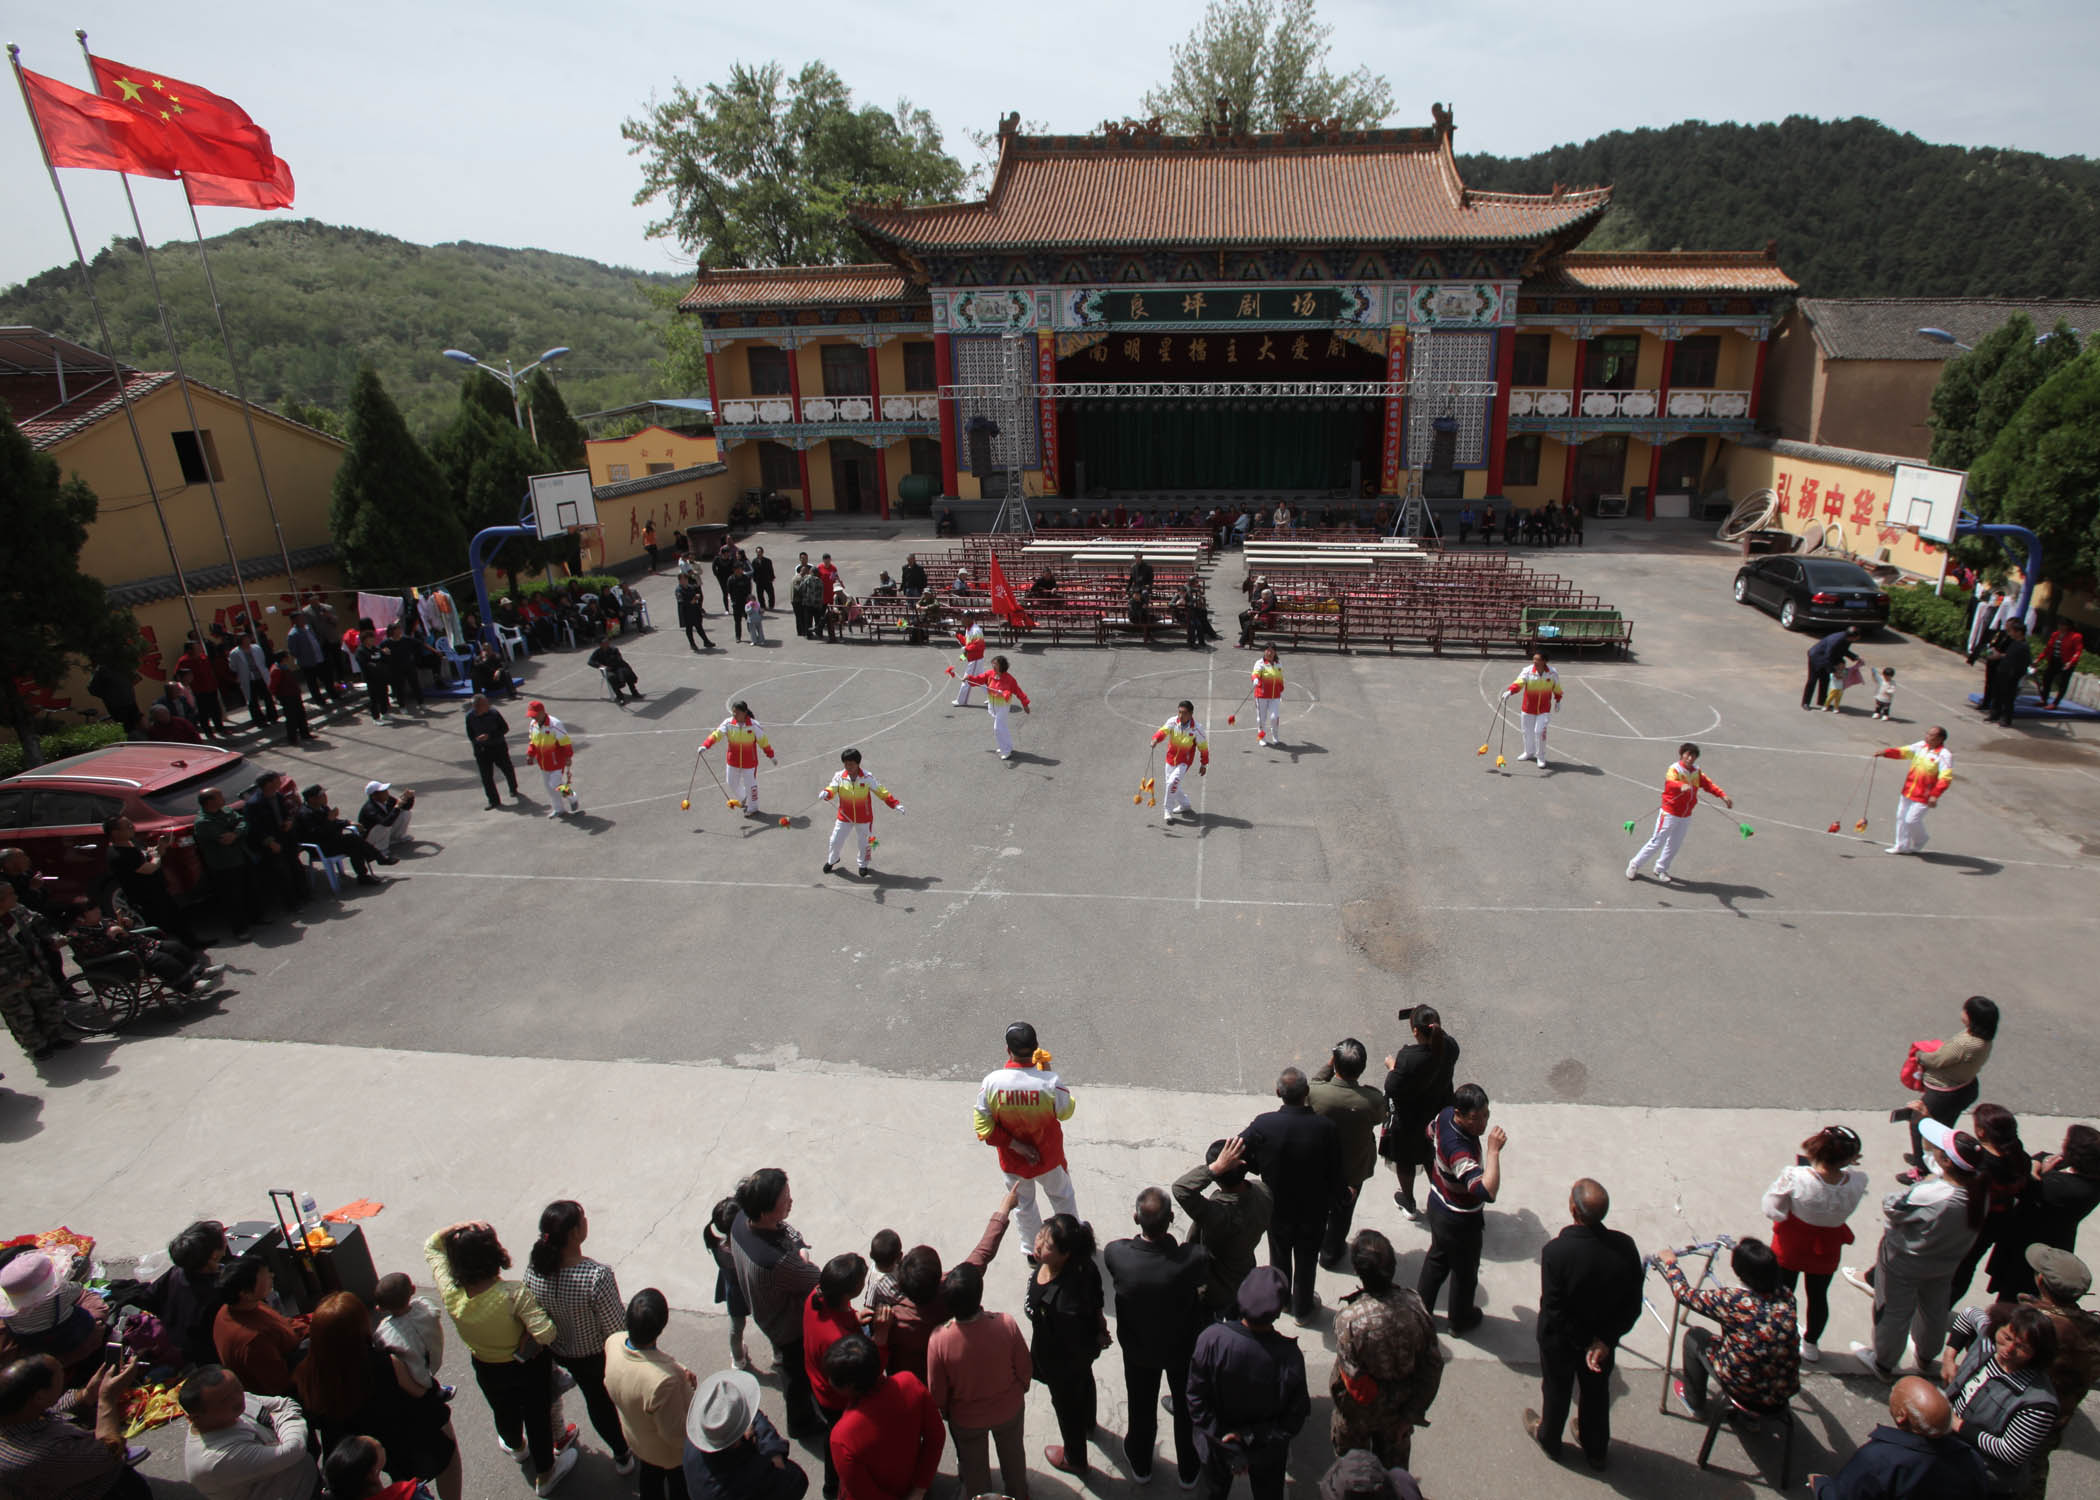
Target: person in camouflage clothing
{"points": [[30, 1001], [1387, 1365]]}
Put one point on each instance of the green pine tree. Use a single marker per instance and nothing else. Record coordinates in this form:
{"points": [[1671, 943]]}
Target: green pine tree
{"points": [[1958, 397], [50, 611], [394, 520], [2043, 472], [488, 464], [559, 435]]}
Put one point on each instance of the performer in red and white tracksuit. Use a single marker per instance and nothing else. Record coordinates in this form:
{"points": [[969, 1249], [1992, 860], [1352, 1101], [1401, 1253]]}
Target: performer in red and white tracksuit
{"points": [[1021, 1110], [855, 792], [1682, 784], [548, 746], [1931, 773], [1186, 742], [744, 737], [1268, 697], [1001, 692], [1540, 685], [972, 654]]}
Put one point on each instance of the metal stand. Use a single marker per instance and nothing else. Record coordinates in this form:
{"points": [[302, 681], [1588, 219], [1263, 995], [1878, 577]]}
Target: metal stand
{"points": [[1014, 387]]}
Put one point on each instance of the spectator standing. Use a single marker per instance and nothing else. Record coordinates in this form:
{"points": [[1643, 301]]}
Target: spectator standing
{"points": [[888, 1444], [2008, 1180], [1590, 1281], [806, 593], [1021, 1110], [1465, 1174], [2005, 671], [2060, 654], [1339, 1094], [1996, 1375], [738, 588], [978, 1370], [1918, 1458], [371, 656], [488, 732], [652, 1393], [44, 1452], [649, 543], [411, 1329], [1827, 656], [251, 668], [1927, 1228], [204, 682], [1159, 1287], [113, 685], [911, 578], [762, 578], [919, 1308], [398, 654], [350, 1388], [1247, 1395], [1229, 1226], [1387, 1367], [1419, 1080], [1466, 521], [1299, 1156], [582, 1296], [1948, 1073], [243, 1447], [777, 1277], [311, 658], [1808, 1206], [253, 1339], [31, 1001], [230, 874], [729, 1291], [1757, 1358], [732, 1451], [507, 1333], [1069, 1332], [692, 612], [2066, 1188], [828, 1316]]}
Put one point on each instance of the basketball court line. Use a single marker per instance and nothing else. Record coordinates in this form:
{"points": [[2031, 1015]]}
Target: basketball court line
{"points": [[1614, 712], [817, 885], [850, 678]]}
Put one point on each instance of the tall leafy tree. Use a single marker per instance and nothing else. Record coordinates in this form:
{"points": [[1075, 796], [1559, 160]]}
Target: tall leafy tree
{"points": [[1252, 65], [559, 434], [393, 517], [312, 414], [488, 463], [759, 171], [1958, 396], [683, 367], [2043, 470], [50, 611]]}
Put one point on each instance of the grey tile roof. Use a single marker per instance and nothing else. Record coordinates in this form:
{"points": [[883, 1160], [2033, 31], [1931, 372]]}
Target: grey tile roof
{"points": [[1887, 327], [216, 576], [657, 481], [1858, 458]]}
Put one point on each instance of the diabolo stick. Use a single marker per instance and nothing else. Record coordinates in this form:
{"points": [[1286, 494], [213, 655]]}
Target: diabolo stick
{"points": [[1501, 738], [1234, 716], [686, 801], [731, 801], [1489, 734]]}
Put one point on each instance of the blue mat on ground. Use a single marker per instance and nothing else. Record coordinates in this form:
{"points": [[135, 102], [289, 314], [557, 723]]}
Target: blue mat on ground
{"points": [[2031, 707]]}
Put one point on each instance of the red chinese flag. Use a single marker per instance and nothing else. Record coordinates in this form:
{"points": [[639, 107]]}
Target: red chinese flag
{"points": [[85, 130], [207, 191], [1004, 605], [201, 131]]}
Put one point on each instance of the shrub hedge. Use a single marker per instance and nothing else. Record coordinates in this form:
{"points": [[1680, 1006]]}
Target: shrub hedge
{"points": [[63, 742], [593, 583], [1942, 619]]}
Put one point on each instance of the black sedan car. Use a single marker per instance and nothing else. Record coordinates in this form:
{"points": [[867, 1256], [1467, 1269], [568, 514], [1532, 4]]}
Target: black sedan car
{"points": [[1813, 591]]}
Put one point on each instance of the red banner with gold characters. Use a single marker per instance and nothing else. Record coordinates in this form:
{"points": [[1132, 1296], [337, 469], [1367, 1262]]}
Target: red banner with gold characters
{"points": [[1046, 373], [1395, 410]]}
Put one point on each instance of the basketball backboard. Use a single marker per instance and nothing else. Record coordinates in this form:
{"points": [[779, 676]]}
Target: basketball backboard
{"points": [[563, 501], [1927, 501]]}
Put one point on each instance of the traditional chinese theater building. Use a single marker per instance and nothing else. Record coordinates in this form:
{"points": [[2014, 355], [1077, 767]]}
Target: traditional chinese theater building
{"points": [[1309, 314]]}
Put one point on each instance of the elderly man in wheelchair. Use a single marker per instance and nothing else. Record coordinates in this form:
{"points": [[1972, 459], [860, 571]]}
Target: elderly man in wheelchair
{"points": [[109, 945]]}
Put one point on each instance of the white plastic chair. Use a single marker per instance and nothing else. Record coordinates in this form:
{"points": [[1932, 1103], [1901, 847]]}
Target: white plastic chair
{"points": [[513, 641], [330, 865]]}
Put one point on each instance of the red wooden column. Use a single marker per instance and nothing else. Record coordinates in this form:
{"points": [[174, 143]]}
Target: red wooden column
{"points": [[801, 453], [1757, 379], [1498, 421], [1567, 482], [714, 391], [1662, 409], [882, 480], [944, 374]]}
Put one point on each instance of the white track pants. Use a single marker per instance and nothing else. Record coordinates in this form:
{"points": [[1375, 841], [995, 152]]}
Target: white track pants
{"points": [[1057, 1183], [742, 782], [1268, 716], [1174, 791], [963, 685], [1910, 826], [1002, 732], [842, 833], [1535, 726], [555, 800], [1663, 843], [383, 836]]}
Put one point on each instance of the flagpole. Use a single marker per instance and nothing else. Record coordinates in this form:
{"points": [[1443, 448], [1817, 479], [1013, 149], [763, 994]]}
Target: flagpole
{"points": [[240, 390], [116, 367], [182, 380]]}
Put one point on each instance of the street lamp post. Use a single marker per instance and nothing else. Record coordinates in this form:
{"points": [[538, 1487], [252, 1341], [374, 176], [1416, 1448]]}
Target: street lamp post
{"points": [[510, 378]]}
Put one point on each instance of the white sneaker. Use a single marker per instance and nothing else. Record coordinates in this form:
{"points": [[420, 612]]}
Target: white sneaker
{"points": [[554, 812], [1864, 1353], [564, 1461], [1632, 873], [1663, 879], [1892, 849], [1542, 763], [1810, 1354], [1524, 755]]}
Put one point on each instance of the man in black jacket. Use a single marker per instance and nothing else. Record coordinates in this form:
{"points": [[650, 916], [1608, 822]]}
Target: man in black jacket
{"points": [[2004, 671], [1589, 1298], [738, 587], [1229, 1226], [1246, 1392], [762, 578], [1827, 658], [1299, 1155], [1159, 1312], [485, 732], [270, 835], [318, 824]]}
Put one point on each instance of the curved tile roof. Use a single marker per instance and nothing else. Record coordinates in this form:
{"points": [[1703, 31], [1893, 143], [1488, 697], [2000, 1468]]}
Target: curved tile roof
{"points": [[796, 286], [1581, 271]]}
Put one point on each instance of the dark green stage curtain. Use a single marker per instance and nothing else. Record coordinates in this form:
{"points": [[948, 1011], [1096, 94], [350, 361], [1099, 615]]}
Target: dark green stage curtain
{"points": [[1182, 446]]}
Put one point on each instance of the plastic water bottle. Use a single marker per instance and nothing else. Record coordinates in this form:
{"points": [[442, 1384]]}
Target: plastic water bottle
{"points": [[309, 1217]]}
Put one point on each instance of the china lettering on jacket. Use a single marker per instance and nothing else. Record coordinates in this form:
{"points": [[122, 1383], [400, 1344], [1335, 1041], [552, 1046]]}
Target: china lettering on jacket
{"points": [[1017, 1097]]}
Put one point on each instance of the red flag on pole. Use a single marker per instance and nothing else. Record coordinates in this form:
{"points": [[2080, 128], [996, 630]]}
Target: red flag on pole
{"points": [[85, 130], [201, 131], [207, 191], [1004, 605]]}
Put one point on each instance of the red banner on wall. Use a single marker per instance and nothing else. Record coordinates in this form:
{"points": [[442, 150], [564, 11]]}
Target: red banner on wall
{"points": [[1395, 410], [1046, 373]]}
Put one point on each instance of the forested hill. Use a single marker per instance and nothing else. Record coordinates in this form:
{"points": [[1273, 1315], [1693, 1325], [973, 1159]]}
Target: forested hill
{"points": [[1858, 209], [308, 303]]}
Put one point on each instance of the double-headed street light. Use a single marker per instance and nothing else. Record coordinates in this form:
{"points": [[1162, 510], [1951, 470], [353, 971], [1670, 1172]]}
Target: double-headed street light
{"points": [[510, 378]]}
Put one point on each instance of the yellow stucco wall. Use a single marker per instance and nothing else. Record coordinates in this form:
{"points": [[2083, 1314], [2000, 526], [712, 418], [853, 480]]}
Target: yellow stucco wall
{"points": [[1853, 520], [637, 451]]}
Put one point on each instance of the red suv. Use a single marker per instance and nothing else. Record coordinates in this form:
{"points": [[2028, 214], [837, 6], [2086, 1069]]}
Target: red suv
{"points": [[55, 812]]}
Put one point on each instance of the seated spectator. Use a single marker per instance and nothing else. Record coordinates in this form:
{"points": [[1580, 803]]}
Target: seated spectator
{"points": [[350, 1388], [186, 1296], [384, 818], [319, 824], [885, 587], [244, 1447], [139, 871], [1996, 1374], [963, 584], [183, 970], [888, 1444], [732, 1449], [164, 726], [619, 676], [944, 523], [45, 1452], [44, 1313], [255, 1341], [1918, 1456], [836, 613], [1044, 586], [1757, 1358]]}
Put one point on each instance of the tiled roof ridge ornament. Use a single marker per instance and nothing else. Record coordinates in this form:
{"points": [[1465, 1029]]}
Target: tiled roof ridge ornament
{"points": [[1441, 115], [1131, 131]]}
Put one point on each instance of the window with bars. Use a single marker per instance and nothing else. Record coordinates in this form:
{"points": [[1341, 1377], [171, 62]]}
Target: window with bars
{"points": [[1697, 364], [1612, 361], [769, 371], [777, 468], [919, 366], [845, 369]]}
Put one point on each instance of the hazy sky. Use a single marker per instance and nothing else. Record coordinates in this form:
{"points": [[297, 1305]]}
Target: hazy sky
{"points": [[447, 120]]}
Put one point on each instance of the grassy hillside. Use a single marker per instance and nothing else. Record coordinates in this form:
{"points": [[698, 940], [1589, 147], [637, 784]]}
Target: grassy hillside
{"points": [[308, 303], [1859, 210]]}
